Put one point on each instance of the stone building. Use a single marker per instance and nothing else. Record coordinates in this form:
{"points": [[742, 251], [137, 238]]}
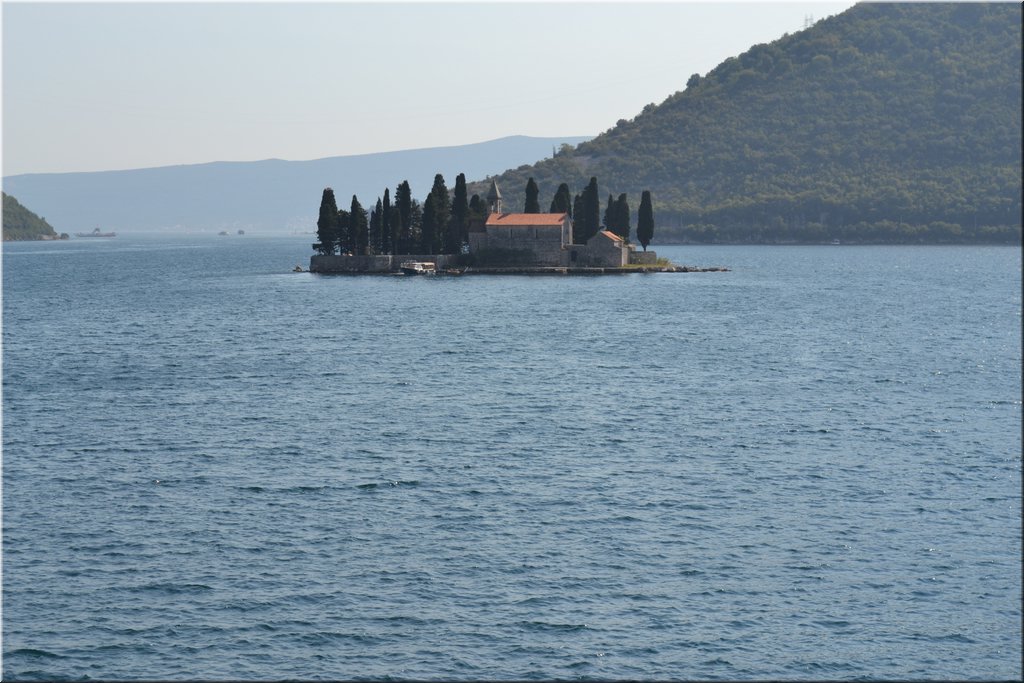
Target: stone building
{"points": [[507, 240], [543, 239], [605, 249], [544, 235]]}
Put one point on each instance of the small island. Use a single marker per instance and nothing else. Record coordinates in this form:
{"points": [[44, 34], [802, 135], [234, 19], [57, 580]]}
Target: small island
{"points": [[456, 235]]}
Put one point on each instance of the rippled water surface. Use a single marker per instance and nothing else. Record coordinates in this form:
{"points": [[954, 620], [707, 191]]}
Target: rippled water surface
{"points": [[806, 468]]}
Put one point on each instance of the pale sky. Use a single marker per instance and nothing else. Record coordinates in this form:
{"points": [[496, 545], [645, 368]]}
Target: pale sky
{"points": [[90, 86]]}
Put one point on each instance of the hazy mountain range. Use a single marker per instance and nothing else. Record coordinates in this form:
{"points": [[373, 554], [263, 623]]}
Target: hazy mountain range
{"points": [[261, 196]]}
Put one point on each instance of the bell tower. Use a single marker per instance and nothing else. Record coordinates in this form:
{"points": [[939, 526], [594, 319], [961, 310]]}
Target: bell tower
{"points": [[494, 198]]}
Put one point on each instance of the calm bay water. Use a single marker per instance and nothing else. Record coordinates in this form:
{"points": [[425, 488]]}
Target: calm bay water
{"points": [[806, 468]]}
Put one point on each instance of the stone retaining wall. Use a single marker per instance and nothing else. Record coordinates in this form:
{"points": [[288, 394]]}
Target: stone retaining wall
{"points": [[643, 258], [375, 264]]}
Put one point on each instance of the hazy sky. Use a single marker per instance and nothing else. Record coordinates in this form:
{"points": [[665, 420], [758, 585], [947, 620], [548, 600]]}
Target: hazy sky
{"points": [[91, 87]]}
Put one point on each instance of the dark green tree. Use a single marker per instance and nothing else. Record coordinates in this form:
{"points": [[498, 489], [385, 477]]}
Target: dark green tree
{"points": [[344, 232], [620, 211], [428, 233], [359, 227], [609, 213], [404, 202], [327, 224], [375, 227], [415, 226], [438, 216], [579, 234], [532, 194], [387, 238], [645, 220], [396, 228], [562, 203], [477, 206], [591, 210], [460, 215]]}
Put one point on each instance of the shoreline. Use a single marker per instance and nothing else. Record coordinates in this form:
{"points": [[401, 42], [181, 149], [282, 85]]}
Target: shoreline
{"points": [[536, 270]]}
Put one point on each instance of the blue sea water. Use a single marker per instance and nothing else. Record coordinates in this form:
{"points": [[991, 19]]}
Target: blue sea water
{"points": [[806, 468]]}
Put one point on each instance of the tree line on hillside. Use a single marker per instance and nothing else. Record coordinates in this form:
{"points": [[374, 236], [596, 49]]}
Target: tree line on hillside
{"points": [[440, 225], [19, 223], [890, 122]]}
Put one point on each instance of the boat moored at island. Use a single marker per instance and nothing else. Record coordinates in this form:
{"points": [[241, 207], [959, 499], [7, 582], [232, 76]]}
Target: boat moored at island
{"points": [[418, 268], [96, 233]]}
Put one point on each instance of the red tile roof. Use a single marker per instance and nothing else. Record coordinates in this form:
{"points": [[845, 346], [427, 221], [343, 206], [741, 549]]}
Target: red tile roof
{"points": [[526, 219], [610, 235]]}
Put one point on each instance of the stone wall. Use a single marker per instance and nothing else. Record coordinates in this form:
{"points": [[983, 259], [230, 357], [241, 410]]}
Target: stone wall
{"points": [[643, 258], [375, 264], [599, 252], [545, 242]]}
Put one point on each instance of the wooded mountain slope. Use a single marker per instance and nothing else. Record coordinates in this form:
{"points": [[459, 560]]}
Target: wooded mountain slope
{"points": [[22, 224], [886, 123]]}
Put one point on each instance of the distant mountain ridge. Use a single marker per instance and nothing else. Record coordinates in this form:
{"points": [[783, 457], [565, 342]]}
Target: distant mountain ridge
{"points": [[890, 122], [262, 196]]}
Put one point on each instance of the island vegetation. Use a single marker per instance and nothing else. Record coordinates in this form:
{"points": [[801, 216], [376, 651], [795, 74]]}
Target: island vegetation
{"points": [[441, 223], [22, 224], [888, 123]]}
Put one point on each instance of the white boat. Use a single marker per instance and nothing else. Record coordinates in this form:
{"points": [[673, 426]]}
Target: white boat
{"points": [[418, 268]]}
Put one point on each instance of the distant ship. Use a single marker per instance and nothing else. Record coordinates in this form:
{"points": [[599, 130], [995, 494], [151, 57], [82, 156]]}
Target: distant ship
{"points": [[96, 233]]}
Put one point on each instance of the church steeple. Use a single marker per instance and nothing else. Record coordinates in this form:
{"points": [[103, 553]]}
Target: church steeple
{"points": [[494, 198]]}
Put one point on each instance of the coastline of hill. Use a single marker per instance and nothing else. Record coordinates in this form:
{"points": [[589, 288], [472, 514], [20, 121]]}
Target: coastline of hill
{"points": [[22, 224]]}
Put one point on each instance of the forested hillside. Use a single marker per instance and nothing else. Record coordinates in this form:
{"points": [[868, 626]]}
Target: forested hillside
{"points": [[22, 224], [886, 123]]}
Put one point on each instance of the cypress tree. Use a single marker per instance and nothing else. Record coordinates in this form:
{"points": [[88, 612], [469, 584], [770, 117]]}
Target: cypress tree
{"points": [[532, 193], [396, 227], [441, 215], [344, 232], [403, 200], [610, 215], [387, 239], [645, 220], [429, 231], [327, 224], [375, 227], [621, 212], [415, 225], [562, 203], [460, 215], [578, 229], [591, 210], [358, 225], [478, 209]]}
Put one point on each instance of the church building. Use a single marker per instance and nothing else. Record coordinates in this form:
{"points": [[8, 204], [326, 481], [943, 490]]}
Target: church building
{"points": [[547, 236]]}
